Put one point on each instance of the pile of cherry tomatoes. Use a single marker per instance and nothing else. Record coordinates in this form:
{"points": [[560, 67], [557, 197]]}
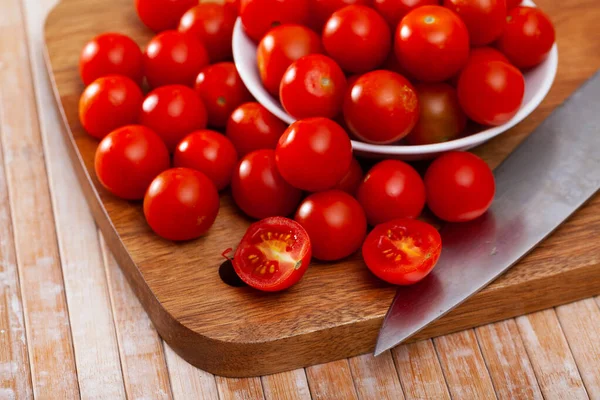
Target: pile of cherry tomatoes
{"points": [[342, 68]]}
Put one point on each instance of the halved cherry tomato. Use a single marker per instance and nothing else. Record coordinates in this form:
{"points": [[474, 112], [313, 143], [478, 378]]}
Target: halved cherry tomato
{"points": [[173, 111], [111, 54], [252, 127], [174, 58], [432, 43], [335, 222], [181, 204], [460, 186], [357, 38], [212, 23], [391, 189], [485, 19], [258, 188], [528, 37], [352, 180], [128, 159], [208, 152], [160, 15], [259, 16], [321, 10], [222, 91], [280, 47], [314, 154], [402, 251], [273, 254], [313, 86], [394, 10], [109, 103]]}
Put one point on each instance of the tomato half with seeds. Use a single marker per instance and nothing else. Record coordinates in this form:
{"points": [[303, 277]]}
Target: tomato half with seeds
{"points": [[402, 251], [273, 254]]}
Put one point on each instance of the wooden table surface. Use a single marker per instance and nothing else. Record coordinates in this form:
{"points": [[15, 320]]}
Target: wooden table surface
{"points": [[71, 327]]}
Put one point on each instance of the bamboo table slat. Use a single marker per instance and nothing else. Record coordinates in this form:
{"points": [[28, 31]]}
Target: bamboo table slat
{"points": [[71, 327]]}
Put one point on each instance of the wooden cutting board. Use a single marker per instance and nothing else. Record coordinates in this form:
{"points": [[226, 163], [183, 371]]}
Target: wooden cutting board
{"points": [[337, 309]]}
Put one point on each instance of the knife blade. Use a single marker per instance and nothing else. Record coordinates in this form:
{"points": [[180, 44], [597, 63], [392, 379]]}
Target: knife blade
{"points": [[547, 178]]}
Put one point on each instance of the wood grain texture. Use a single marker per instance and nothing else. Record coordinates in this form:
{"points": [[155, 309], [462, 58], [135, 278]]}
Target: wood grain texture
{"points": [[239, 388], [188, 381], [290, 385], [552, 361], [464, 367], [239, 332], [507, 361], [331, 381], [420, 371], [376, 378]]}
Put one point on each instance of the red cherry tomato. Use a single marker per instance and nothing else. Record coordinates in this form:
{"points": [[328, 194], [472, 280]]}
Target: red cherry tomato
{"points": [[314, 154], [273, 254], [357, 38], [460, 186], [394, 10], [233, 5], [528, 37], [208, 152], [280, 48], [500, 84], [109, 103], [110, 54], [260, 16], [510, 4], [381, 107], [391, 189], [181, 204], [402, 251], [441, 118], [222, 91], [321, 10], [212, 24], [128, 159], [485, 19], [335, 223], [313, 86], [258, 188], [481, 54], [173, 111], [160, 15], [432, 43], [174, 58], [252, 127], [352, 180]]}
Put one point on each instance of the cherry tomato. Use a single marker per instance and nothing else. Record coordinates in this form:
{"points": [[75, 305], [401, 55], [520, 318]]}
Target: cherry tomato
{"points": [[432, 43], [500, 84], [394, 10], [357, 38], [528, 37], [110, 54], [460, 186], [352, 180], [252, 127], [314, 154], [181, 204], [481, 54], [313, 86], [212, 23], [485, 19], [109, 103], [441, 118], [258, 188], [335, 223], [174, 58], [273, 254], [321, 10], [128, 159], [208, 152], [222, 91], [381, 107], [391, 189], [280, 48], [402, 251], [160, 15], [260, 16], [510, 4], [173, 111]]}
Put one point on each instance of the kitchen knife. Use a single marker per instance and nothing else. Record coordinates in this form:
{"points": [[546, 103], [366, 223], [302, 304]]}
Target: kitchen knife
{"points": [[549, 176]]}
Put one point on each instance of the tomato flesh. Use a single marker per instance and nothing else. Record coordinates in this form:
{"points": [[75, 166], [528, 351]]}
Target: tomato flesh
{"points": [[273, 254], [402, 251]]}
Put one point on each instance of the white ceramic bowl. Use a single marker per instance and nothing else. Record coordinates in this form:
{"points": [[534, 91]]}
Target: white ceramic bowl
{"points": [[537, 84]]}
